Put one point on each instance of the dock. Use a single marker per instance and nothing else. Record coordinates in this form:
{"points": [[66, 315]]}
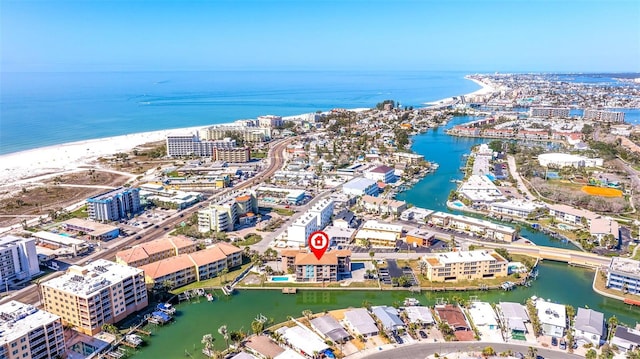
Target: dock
{"points": [[289, 290]]}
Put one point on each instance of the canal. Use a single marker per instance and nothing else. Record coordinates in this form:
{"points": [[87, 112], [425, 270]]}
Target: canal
{"points": [[556, 281]]}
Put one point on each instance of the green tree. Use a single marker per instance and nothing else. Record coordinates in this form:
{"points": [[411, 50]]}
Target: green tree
{"points": [[307, 314], [488, 352], [613, 324], [532, 353], [257, 326], [591, 354], [223, 274]]}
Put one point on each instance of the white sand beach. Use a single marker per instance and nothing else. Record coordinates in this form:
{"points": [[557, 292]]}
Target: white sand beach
{"points": [[486, 88], [18, 166]]}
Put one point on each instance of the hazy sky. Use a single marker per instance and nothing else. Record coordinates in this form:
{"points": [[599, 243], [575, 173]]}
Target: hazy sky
{"points": [[539, 35]]}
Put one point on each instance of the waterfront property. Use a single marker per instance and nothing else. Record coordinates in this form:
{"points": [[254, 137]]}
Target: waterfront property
{"points": [[18, 260], [94, 230], [513, 317], [553, 318], [306, 267], [480, 190], [191, 145], [514, 208], [624, 275], [98, 293], [360, 322], [588, 327], [303, 339], [464, 265], [549, 112], [190, 267], [119, 203], [330, 329], [388, 317], [156, 250], [626, 338], [378, 234], [483, 315], [408, 158], [603, 116], [455, 318], [381, 174], [419, 314], [485, 229], [27, 332]]}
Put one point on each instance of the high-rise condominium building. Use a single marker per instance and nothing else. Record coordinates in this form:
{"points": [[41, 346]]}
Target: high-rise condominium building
{"points": [[119, 203], [27, 332]]}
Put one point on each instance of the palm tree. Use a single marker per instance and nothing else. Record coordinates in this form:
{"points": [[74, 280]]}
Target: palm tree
{"points": [[208, 340], [532, 353], [257, 326], [223, 274], [307, 314], [225, 334], [613, 324]]}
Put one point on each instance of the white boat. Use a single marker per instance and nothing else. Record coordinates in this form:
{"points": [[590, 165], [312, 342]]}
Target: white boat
{"points": [[410, 302], [133, 339]]}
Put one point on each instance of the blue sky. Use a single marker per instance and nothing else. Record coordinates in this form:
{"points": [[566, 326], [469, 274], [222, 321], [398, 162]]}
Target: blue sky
{"points": [[87, 35]]}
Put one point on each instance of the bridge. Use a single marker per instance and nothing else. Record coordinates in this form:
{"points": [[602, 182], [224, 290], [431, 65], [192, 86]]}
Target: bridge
{"points": [[571, 257]]}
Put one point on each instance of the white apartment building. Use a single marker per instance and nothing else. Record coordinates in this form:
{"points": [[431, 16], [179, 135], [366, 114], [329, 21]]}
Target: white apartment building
{"points": [[18, 260], [514, 208], [553, 112], [604, 116], [27, 332], [381, 174], [316, 218], [98, 293], [191, 145], [568, 160], [480, 190]]}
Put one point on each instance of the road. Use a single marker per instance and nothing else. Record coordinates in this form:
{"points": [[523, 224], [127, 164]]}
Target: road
{"points": [[421, 350], [30, 293], [513, 169]]}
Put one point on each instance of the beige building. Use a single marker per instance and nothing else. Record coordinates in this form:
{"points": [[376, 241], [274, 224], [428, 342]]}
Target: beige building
{"points": [[378, 234], [234, 155], [156, 250], [480, 227], [27, 332], [98, 293], [464, 265], [191, 267], [307, 268]]}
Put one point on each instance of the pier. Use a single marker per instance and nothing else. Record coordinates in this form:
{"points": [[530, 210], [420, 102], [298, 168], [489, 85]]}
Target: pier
{"points": [[289, 290]]}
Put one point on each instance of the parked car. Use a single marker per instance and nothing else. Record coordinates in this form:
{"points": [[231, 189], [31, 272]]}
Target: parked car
{"points": [[563, 344], [423, 335], [554, 341]]}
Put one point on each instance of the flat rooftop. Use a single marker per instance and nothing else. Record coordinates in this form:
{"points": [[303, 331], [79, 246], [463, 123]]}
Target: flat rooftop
{"points": [[18, 319], [463, 257], [84, 281], [625, 265]]}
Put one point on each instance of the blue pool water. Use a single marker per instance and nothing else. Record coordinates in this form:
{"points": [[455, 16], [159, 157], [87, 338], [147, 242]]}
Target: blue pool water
{"points": [[279, 279], [458, 204], [491, 177]]}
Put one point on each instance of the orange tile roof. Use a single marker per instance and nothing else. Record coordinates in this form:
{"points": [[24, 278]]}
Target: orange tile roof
{"points": [[132, 254], [206, 256], [329, 258], [181, 242], [244, 198], [228, 249], [289, 252], [433, 261], [167, 266]]}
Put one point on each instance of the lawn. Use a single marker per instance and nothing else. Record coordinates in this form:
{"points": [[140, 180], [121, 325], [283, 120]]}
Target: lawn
{"points": [[212, 282], [251, 239], [601, 284], [283, 211]]}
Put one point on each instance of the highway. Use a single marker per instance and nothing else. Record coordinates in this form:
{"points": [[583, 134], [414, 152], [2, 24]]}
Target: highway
{"points": [[421, 350], [275, 160]]}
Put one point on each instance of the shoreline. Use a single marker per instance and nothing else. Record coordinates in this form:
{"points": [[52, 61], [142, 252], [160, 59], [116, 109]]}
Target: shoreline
{"points": [[25, 166], [485, 89]]}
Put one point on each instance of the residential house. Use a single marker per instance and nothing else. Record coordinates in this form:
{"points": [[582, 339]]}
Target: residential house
{"points": [[360, 322], [589, 327]]}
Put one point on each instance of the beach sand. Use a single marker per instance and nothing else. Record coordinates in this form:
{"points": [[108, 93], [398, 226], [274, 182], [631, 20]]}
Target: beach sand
{"points": [[486, 88], [18, 166]]}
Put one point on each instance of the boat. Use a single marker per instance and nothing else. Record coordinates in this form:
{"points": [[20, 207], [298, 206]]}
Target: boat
{"points": [[159, 317], [410, 302], [210, 297], [166, 308], [133, 339]]}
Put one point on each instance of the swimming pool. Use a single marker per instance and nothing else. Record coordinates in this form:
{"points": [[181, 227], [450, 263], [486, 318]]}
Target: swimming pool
{"points": [[458, 204], [279, 279]]}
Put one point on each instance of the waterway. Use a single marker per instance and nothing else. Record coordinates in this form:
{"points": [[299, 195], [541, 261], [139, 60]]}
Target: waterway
{"points": [[557, 281], [448, 152]]}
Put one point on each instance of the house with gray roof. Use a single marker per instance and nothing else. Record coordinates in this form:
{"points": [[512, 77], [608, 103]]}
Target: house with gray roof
{"points": [[588, 327], [626, 338], [360, 322], [513, 317], [388, 317], [329, 328]]}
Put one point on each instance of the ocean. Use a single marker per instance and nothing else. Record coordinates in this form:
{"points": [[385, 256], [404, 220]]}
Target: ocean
{"points": [[42, 109]]}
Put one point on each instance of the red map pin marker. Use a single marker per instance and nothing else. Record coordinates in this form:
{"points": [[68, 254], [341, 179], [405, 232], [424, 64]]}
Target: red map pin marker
{"points": [[319, 243]]}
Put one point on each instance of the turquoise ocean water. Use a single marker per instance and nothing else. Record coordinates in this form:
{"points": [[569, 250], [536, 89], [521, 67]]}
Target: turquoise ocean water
{"points": [[41, 109]]}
